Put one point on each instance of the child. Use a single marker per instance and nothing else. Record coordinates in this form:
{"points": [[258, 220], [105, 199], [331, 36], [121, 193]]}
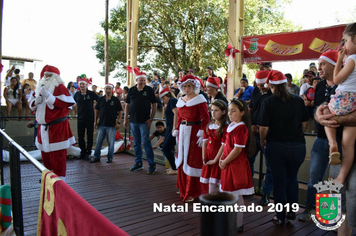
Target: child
{"points": [[308, 97], [236, 175], [160, 133], [344, 102], [27, 93], [214, 136]]}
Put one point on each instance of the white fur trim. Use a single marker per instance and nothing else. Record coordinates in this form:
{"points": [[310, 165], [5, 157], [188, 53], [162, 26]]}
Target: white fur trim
{"points": [[192, 102], [162, 94], [194, 81], [233, 125], [238, 145], [183, 149], [139, 76], [50, 147], [245, 191], [204, 140], [209, 180], [261, 81], [50, 101], [211, 85], [213, 126], [278, 81], [328, 60]]}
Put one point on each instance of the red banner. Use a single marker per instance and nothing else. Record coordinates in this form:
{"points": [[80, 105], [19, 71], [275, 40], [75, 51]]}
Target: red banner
{"points": [[300, 45], [63, 212]]}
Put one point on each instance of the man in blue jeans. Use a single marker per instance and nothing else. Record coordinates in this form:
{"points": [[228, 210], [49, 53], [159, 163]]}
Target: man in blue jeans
{"points": [[141, 106], [109, 111]]}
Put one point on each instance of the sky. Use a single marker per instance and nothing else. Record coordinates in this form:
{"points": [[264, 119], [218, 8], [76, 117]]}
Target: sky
{"points": [[61, 33]]}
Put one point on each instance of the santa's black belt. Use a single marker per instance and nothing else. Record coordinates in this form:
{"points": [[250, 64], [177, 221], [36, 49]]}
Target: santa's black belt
{"points": [[184, 122], [53, 122]]}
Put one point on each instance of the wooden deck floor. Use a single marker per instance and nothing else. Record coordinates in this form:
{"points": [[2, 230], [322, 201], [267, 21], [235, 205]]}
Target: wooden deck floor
{"points": [[126, 198]]}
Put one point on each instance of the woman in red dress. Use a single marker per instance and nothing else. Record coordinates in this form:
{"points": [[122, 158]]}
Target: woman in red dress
{"points": [[193, 117]]}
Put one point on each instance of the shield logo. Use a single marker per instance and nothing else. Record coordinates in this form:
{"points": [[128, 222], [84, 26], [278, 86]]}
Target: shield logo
{"points": [[253, 46], [328, 208]]}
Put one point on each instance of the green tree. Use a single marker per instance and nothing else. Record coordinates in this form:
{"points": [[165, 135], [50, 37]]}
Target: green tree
{"points": [[184, 34]]}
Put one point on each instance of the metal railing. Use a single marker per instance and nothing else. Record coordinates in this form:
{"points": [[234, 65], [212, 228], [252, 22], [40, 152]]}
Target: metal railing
{"points": [[15, 178]]}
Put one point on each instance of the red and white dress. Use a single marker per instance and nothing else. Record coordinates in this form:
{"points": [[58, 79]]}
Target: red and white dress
{"points": [[236, 177], [58, 136], [189, 157], [211, 173]]}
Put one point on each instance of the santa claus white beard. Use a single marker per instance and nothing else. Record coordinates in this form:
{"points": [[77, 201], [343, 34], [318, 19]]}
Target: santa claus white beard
{"points": [[49, 83]]}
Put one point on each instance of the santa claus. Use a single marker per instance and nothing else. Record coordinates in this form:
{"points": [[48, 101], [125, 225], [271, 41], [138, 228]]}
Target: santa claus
{"points": [[52, 102]]}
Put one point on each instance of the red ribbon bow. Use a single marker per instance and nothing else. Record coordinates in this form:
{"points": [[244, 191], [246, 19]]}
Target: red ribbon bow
{"points": [[231, 51]]}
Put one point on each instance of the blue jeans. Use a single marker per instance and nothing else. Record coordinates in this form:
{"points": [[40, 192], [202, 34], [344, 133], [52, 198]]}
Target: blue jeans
{"points": [[268, 186], [101, 132], [141, 135], [285, 159], [168, 145], [319, 162]]}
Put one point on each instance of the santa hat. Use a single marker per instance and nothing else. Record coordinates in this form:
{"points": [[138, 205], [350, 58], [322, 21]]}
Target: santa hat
{"points": [[163, 91], [261, 76], [83, 80], [275, 77], [49, 69], [189, 78], [136, 71], [213, 82], [109, 85], [330, 56]]}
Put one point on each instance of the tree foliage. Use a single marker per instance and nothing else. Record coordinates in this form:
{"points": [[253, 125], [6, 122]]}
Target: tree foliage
{"points": [[176, 34]]}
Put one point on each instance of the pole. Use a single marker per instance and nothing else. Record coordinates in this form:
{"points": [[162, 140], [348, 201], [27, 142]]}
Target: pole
{"points": [[236, 29], [106, 41]]}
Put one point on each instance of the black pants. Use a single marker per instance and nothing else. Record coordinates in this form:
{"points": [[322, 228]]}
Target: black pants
{"points": [[82, 126], [168, 147]]}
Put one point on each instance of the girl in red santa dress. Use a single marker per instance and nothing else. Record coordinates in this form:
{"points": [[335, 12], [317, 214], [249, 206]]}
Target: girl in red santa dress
{"points": [[236, 175], [193, 117], [213, 145]]}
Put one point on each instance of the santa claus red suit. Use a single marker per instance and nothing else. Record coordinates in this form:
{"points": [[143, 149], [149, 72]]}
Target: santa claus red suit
{"points": [[52, 102], [193, 117]]}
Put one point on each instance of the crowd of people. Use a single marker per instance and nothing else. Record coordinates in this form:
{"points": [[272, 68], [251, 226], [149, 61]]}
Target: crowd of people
{"points": [[216, 139]]}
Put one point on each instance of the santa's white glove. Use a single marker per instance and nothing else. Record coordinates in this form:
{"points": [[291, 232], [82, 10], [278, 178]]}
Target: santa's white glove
{"points": [[44, 92], [175, 133], [200, 138], [38, 100]]}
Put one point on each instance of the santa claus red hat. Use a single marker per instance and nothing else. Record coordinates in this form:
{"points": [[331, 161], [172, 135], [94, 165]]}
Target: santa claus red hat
{"points": [[189, 78], [213, 82], [276, 77], [261, 76], [49, 69], [83, 80], [109, 85], [136, 71], [163, 91], [330, 56]]}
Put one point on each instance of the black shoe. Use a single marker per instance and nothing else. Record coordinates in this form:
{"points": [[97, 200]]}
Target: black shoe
{"points": [[152, 169], [95, 160], [277, 221], [264, 200], [87, 157], [109, 160], [240, 229], [291, 216], [137, 166], [81, 157]]}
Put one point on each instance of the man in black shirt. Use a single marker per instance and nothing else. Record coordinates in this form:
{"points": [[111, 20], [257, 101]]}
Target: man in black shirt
{"points": [[141, 106], [260, 92], [85, 102], [319, 160], [108, 109]]}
